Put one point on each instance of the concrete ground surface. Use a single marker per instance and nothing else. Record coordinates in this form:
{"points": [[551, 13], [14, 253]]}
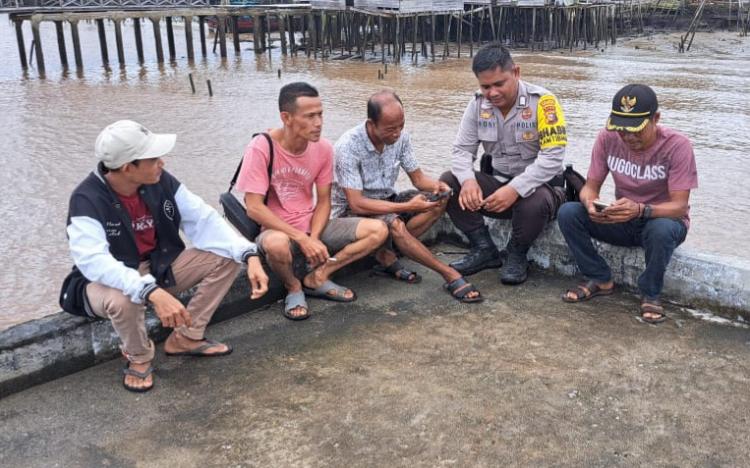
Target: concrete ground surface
{"points": [[406, 376]]}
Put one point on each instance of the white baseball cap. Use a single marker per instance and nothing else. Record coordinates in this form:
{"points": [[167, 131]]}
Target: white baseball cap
{"points": [[125, 141]]}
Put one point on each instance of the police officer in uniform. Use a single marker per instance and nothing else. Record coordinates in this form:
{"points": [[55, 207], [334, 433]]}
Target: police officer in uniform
{"points": [[521, 128]]}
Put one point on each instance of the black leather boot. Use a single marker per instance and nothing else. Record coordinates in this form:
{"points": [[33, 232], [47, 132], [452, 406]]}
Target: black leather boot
{"points": [[483, 253], [516, 267]]}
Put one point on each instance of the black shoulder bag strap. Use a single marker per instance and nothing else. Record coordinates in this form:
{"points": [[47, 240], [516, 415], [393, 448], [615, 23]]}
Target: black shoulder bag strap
{"points": [[270, 166]]}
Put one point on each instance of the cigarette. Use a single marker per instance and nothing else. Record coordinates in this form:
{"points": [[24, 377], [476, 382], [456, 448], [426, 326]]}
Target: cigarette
{"points": [[332, 259]]}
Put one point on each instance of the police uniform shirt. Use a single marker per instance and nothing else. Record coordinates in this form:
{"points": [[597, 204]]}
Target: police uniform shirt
{"points": [[527, 145]]}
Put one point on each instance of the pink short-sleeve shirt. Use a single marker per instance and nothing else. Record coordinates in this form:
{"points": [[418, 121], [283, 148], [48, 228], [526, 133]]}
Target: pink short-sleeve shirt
{"points": [[293, 177]]}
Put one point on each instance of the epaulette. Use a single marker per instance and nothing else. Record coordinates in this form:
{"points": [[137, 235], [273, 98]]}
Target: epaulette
{"points": [[477, 94]]}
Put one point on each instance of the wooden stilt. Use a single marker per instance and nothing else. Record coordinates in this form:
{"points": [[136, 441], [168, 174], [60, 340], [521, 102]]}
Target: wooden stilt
{"points": [[138, 39], [61, 44], [76, 44], [157, 40], [38, 47], [189, 37], [118, 43], [236, 33], [102, 41], [170, 39], [257, 35], [202, 33], [282, 33], [222, 34], [21, 45]]}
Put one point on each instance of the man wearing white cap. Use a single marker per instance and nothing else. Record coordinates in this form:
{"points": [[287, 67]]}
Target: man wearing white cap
{"points": [[124, 227]]}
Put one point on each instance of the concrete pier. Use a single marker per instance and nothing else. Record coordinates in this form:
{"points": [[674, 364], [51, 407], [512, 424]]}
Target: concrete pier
{"points": [[41, 350], [406, 376]]}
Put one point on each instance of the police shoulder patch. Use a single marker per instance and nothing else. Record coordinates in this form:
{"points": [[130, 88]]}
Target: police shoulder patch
{"points": [[551, 122]]}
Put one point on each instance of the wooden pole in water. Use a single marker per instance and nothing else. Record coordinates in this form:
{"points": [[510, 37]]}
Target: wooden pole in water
{"points": [[433, 20], [157, 40], [118, 42], [446, 34], [282, 33], [38, 48], [76, 44], [471, 33], [221, 30], [256, 35], [414, 55], [460, 31], [189, 37], [292, 44], [61, 44], [21, 45], [202, 33], [382, 39], [102, 41], [269, 43], [170, 39], [314, 34], [138, 39], [235, 34], [305, 35], [492, 25]]}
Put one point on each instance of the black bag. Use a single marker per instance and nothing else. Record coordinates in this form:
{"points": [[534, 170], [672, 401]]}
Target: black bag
{"points": [[73, 294], [234, 210], [574, 182]]}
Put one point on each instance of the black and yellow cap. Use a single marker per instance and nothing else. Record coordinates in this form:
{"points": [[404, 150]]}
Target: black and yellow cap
{"points": [[632, 108]]}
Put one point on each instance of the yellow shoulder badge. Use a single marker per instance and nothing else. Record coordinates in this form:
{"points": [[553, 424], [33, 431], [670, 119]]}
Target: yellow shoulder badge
{"points": [[551, 123]]}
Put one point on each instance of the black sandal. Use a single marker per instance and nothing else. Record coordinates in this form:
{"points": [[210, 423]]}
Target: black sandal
{"points": [[584, 292], [460, 289], [398, 271]]}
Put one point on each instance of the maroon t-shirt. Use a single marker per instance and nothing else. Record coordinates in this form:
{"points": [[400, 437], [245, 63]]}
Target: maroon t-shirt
{"points": [[647, 176], [142, 222]]}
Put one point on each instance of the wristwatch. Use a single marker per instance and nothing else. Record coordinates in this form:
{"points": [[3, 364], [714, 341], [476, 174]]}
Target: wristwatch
{"points": [[250, 253], [646, 212]]}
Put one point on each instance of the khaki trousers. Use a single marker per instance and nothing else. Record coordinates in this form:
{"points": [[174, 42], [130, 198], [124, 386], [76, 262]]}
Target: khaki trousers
{"points": [[212, 273]]}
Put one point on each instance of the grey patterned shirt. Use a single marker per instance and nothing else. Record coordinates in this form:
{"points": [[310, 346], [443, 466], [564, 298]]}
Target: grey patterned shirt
{"points": [[359, 166]]}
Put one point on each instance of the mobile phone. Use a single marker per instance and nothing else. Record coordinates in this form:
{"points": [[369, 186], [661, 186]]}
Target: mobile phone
{"points": [[433, 197], [600, 205]]}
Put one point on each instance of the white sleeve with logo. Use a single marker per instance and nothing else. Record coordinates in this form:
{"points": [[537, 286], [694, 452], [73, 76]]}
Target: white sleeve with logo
{"points": [[90, 251]]}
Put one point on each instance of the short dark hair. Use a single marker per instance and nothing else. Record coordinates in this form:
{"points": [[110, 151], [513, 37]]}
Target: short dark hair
{"points": [[105, 169], [290, 92], [491, 56], [376, 101]]}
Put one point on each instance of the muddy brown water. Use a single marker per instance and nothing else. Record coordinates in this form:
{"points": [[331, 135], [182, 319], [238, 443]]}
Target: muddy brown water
{"points": [[48, 126]]}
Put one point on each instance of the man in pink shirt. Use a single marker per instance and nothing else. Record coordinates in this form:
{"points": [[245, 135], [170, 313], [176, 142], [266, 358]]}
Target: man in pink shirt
{"points": [[293, 222], [653, 168]]}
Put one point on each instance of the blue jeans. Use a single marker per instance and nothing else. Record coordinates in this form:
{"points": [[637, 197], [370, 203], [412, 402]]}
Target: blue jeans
{"points": [[658, 236]]}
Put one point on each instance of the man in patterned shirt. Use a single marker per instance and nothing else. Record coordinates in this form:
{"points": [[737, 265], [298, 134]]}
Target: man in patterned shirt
{"points": [[367, 162]]}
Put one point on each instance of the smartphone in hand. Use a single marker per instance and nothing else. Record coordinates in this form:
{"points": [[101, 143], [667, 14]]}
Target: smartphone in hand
{"points": [[433, 197], [599, 205]]}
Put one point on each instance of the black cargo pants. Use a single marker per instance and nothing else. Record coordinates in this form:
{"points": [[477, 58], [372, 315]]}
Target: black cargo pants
{"points": [[528, 215]]}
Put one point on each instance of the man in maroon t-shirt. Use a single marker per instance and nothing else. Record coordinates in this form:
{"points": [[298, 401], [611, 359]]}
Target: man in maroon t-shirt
{"points": [[653, 168]]}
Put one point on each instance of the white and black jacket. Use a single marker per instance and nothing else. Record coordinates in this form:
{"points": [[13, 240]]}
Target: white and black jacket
{"points": [[102, 242]]}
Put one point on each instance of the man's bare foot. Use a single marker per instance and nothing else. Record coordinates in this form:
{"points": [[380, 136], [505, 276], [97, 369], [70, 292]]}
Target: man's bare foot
{"points": [[138, 377], [178, 345]]}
